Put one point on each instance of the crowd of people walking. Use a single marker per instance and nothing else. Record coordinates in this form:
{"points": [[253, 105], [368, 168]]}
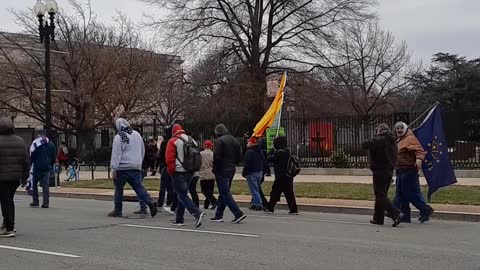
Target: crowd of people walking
{"points": [[182, 165]]}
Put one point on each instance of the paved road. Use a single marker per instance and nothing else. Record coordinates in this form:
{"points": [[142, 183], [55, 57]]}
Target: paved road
{"points": [[310, 241]]}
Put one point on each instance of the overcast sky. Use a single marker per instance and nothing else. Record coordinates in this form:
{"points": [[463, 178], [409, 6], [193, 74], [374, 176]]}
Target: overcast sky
{"points": [[428, 26]]}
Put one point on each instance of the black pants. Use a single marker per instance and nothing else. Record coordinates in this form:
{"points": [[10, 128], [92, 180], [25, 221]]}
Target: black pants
{"points": [[262, 195], [207, 187], [193, 191], [7, 192], [166, 186], [285, 186], [382, 180]]}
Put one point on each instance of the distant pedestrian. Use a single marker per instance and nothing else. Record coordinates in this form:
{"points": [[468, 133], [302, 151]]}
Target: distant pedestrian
{"points": [[14, 168], [42, 158], [207, 178], [180, 156], [253, 165], [128, 151], [226, 156], [262, 142], [150, 155], [166, 185], [383, 157], [283, 183], [62, 156], [409, 162]]}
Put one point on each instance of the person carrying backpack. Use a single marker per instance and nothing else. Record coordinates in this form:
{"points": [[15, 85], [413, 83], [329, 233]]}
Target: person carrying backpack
{"points": [[285, 172], [183, 159]]}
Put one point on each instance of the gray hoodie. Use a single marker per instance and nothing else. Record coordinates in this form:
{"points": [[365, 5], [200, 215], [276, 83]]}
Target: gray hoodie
{"points": [[127, 155]]}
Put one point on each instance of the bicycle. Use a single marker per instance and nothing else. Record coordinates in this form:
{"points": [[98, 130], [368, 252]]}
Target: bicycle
{"points": [[73, 171]]}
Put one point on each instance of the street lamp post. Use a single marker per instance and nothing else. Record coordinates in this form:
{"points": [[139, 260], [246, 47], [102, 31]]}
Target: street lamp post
{"points": [[46, 29]]}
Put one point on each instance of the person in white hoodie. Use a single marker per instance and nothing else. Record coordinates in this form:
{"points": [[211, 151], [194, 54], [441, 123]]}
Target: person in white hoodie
{"points": [[128, 151]]}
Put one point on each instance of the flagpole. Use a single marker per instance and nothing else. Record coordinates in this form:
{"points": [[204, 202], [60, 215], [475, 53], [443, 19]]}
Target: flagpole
{"points": [[425, 112], [281, 109]]}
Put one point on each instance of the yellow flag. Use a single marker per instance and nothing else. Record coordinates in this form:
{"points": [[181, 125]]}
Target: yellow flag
{"points": [[275, 107]]}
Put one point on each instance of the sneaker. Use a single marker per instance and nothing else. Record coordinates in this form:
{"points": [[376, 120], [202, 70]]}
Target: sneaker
{"points": [[7, 234], [168, 210], [213, 206], [293, 213], [397, 220], [141, 212], [427, 217], [114, 214], [239, 219], [176, 224], [198, 222], [268, 211], [153, 209], [374, 222], [3, 228], [216, 219], [45, 206], [34, 204]]}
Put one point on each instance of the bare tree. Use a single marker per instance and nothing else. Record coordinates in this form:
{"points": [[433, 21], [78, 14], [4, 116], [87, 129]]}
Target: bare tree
{"points": [[262, 35], [376, 68]]}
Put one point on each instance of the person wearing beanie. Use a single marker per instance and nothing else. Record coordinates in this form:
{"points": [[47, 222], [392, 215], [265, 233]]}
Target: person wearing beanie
{"points": [[382, 151], [409, 162], [166, 185], [128, 151], [253, 165], [14, 167], [207, 178], [226, 156], [282, 183]]}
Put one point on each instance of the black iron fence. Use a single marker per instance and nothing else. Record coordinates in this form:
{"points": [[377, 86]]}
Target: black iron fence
{"points": [[333, 141]]}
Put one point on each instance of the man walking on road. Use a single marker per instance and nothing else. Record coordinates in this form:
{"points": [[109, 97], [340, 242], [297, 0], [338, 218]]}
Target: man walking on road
{"points": [[180, 155], [383, 157], [226, 155], [14, 167], [42, 157], [409, 162], [253, 165], [128, 151]]}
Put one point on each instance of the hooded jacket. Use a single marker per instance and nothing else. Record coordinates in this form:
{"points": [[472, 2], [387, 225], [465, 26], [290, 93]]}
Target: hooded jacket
{"points": [[127, 155], [254, 161], [227, 151], [409, 150], [14, 161], [382, 151], [279, 157], [174, 152]]}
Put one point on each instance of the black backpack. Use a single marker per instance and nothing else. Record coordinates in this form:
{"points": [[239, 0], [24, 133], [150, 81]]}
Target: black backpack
{"points": [[293, 166], [192, 159]]}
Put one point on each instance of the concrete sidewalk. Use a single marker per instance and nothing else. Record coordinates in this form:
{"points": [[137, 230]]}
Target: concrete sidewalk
{"points": [[443, 211], [355, 179]]}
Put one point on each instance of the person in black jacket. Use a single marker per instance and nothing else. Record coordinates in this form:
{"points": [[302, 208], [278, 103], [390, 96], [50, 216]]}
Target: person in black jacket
{"points": [[283, 183], [166, 185], [226, 155], [383, 157], [253, 165], [14, 169]]}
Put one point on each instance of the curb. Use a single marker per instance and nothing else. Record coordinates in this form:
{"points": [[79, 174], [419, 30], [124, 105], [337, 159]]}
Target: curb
{"points": [[335, 209]]}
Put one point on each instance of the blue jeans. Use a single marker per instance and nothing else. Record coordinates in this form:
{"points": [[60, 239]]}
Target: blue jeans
{"points": [[409, 191], [134, 179], [253, 181], [225, 198], [143, 204], [44, 179], [182, 181]]}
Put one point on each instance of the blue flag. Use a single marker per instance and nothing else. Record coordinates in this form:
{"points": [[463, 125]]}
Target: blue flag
{"points": [[437, 167]]}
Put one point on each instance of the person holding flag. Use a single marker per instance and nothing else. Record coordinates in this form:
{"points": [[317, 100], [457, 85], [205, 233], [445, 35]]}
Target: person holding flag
{"points": [[410, 159]]}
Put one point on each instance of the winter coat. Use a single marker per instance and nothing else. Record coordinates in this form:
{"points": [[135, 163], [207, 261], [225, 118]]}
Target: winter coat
{"points": [[227, 153], [14, 161], [150, 153], [174, 153], [382, 152], [409, 150], [127, 156], [43, 158], [207, 165], [253, 161], [279, 157]]}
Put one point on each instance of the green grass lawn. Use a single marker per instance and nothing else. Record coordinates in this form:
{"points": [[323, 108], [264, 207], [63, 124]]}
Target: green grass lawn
{"points": [[450, 195]]}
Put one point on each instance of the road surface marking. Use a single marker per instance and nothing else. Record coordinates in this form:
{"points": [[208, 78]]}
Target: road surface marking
{"points": [[189, 230], [310, 219], [40, 251]]}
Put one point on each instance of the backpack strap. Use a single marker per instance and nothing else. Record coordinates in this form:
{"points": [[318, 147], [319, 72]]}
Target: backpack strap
{"points": [[184, 142]]}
